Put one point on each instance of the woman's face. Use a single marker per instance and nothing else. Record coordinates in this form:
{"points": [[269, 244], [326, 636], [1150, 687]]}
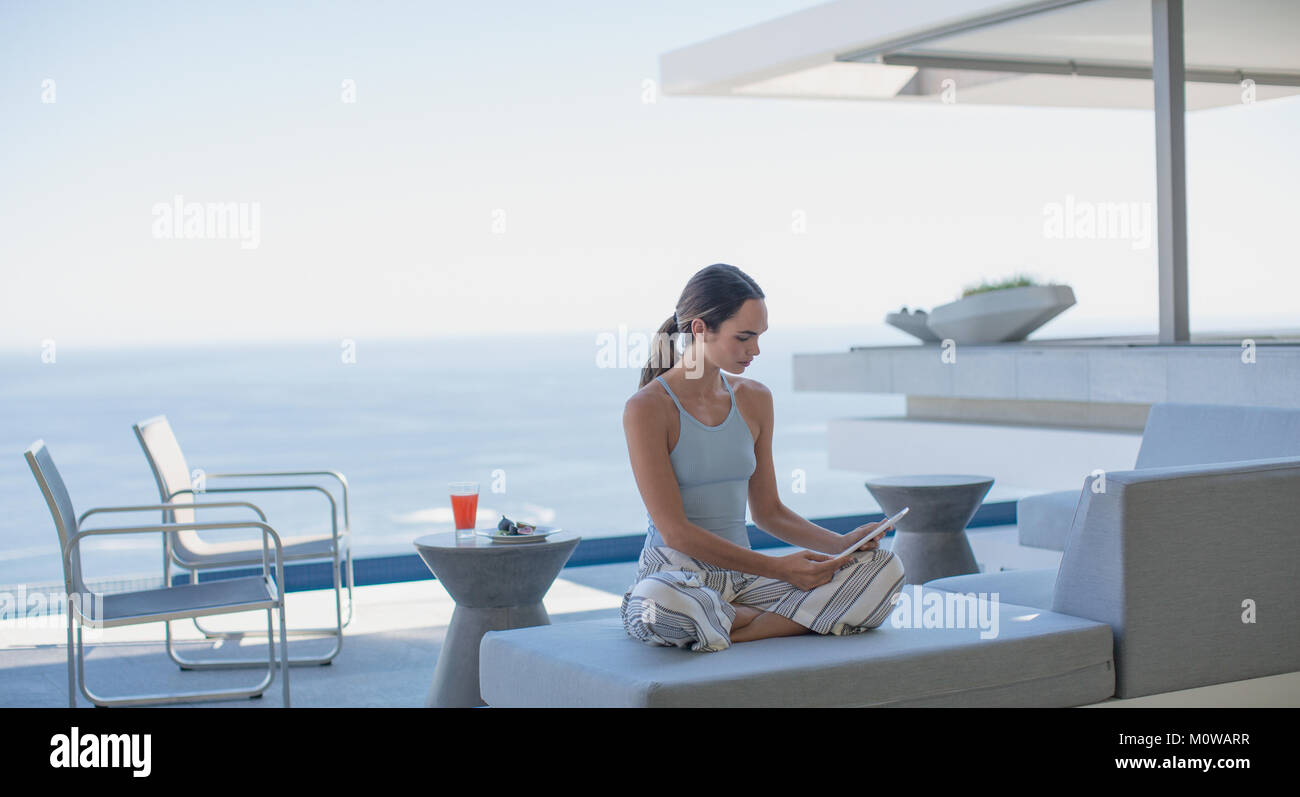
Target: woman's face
{"points": [[735, 344]]}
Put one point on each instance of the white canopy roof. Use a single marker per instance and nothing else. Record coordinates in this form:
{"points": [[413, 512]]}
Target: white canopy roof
{"points": [[1094, 53]]}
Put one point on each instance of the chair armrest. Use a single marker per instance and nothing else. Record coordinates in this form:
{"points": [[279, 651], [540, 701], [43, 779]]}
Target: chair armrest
{"points": [[167, 508], [1168, 557], [339, 477], [75, 540], [1044, 520], [286, 488]]}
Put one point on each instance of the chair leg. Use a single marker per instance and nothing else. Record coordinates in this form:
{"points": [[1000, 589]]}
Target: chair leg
{"points": [[270, 642], [335, 631], [171, 653], [163, 698], [284, 647], [72, 686], [349, 620]]}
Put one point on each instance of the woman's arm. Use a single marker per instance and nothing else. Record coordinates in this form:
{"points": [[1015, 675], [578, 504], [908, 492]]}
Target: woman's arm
{"points": [[700, 543], [785, 524], [765, 505]]}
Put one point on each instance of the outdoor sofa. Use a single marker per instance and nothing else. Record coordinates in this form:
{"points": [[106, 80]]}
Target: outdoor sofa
{"points": [[1172, 577]]}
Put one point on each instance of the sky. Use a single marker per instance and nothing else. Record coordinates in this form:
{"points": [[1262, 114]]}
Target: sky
{"points": [[417, 169]]}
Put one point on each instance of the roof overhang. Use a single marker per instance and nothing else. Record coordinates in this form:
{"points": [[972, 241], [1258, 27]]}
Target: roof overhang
{"points": [[1083, 53]]}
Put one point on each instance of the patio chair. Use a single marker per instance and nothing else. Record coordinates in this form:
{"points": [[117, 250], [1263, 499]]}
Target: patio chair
{"points": [[188, 551], [157, 605]]}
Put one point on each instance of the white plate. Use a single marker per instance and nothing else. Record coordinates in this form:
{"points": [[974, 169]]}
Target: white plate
{"points": [[541, 533]]}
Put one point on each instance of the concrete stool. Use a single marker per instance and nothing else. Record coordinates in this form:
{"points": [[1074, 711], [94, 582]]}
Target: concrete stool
{"points": [[496, 586], [931, 538]]}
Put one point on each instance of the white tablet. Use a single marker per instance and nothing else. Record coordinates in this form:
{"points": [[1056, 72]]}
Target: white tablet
{"points": [[881, 529]]}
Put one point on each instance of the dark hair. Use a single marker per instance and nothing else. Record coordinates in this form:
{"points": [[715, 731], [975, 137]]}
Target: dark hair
{"points": [[714, 294]]}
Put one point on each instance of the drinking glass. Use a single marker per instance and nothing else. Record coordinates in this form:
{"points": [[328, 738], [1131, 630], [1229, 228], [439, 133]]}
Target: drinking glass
{"points": [[464, 505]]}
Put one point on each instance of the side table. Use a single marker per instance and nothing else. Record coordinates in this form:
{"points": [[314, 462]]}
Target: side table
{"points": [[931, 538], [496, 586]]}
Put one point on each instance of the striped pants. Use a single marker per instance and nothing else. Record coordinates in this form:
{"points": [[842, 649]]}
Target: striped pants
{"points": [[679, 600]]}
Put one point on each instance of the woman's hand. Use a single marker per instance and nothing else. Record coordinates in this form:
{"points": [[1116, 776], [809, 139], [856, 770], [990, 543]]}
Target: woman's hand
{"points": [[806, 569], [851, 539]]}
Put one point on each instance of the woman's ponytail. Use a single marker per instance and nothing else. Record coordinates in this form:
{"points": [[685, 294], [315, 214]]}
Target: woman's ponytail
{"points": [[663, 351]]}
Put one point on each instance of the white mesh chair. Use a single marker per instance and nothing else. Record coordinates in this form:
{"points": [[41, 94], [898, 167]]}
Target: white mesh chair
{"points": [[85, 608], [189, 551]]}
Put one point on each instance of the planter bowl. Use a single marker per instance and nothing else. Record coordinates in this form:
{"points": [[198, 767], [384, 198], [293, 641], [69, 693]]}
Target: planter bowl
{"points": [[915, 323], [1000, 316]]}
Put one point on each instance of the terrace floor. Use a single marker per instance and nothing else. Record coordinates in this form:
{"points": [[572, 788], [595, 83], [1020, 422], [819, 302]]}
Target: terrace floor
{"points": [[389, 650]]}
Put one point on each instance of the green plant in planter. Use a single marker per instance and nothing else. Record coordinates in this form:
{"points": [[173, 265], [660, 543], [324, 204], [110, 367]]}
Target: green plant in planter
{"points": [[1018, 281]]}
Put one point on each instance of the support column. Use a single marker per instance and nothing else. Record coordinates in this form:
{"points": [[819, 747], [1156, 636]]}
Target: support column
{"points": [[1171, 167]]}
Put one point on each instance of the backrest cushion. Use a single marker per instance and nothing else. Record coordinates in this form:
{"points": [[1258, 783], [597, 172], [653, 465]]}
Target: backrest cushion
{"points": [[1192, 434], [168, 464], [61, 510]]}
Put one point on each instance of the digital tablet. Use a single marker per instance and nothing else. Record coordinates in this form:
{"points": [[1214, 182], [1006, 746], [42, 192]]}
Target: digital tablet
{"points": [[881, 529]]}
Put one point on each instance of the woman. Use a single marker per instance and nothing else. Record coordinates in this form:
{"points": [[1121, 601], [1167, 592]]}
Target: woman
{"points": [[700, 445]]}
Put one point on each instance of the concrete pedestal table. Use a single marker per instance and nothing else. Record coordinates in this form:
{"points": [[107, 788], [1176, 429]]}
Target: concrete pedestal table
{"points": [[496, 586], [931, 538]]}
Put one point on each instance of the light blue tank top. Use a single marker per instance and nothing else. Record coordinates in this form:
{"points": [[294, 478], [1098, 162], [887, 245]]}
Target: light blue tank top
{"points": [[713, 465]]}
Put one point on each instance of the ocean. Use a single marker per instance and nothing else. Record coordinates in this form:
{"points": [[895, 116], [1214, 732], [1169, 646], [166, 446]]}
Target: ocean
{"points": [[534, 419]]}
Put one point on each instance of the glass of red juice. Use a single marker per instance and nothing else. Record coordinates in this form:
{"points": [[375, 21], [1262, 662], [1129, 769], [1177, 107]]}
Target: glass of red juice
{"points": [[464, 506]]}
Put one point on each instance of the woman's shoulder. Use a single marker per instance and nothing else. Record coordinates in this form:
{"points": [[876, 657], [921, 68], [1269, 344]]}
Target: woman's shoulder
{"points": [[752, 396], [649, 399], [648, 414], [749, 387], [649, 391]]}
